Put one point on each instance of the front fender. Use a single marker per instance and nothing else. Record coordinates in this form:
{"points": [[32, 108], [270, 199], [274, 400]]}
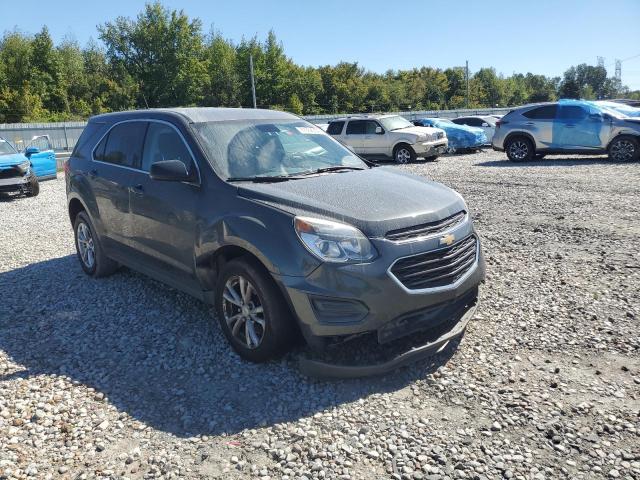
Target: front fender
{"points": [[263, 231]]}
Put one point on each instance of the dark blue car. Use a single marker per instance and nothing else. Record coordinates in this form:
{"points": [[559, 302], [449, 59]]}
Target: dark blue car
{"points": [[461, 137], [20, 171]]}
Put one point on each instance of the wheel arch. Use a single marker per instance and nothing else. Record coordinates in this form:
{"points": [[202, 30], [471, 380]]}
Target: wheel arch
{"points": [[515, 134], [74, 207], [634, 135]]}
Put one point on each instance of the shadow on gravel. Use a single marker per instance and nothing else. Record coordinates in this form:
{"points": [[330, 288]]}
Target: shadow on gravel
{"points": [[551, 162], [157, 354]]}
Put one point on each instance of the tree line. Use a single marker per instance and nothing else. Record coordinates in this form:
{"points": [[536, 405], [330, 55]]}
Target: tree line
{"points": [[163, 58]]}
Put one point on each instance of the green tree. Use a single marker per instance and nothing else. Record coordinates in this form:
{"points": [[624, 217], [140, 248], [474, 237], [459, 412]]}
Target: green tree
{"points": [[163, 51]]}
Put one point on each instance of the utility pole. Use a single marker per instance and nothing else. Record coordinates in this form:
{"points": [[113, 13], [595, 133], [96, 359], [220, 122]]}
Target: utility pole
{"points": [[467, 75], [253, 82]]}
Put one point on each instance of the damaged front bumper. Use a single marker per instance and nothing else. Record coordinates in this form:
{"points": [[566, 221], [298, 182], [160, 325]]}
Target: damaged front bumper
{"points": [[14, 183], [449, 331], [428, 149]]}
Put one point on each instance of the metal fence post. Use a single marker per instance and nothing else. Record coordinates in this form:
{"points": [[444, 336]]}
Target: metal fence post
{"points": [[66, 139]]}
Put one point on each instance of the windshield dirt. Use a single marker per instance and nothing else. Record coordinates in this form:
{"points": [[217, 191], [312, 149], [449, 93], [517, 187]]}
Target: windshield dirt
{"points": [[267, 148]]}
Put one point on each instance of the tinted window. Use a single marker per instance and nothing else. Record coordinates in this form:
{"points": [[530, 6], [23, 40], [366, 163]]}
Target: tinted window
{"points": [[335, 128], [98, 154], [163, 143], [546, 112], [124, 144], [572, 112], [356, 127], [370, 127], [472, 122]]}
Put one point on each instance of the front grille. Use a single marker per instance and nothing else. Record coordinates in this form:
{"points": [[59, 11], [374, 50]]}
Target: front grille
{"points": [[437, 268], [426, 229], [10, 173]]}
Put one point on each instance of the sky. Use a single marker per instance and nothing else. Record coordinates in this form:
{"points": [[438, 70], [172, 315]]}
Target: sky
{"points": [[541, 36]]}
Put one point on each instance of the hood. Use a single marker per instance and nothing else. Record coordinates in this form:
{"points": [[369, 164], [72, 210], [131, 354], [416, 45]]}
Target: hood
{"points": [[375, 200], [11, 159], [417, 130]]}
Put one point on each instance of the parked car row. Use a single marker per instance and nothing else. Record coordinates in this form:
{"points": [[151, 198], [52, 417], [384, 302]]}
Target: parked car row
{"points": [[20, 171]]}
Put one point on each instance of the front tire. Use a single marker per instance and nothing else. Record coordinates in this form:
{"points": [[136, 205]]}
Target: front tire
{"points": [[32, 188], [253, 316], [404, 154], [92, 258], [520, 149], [624, 149]]}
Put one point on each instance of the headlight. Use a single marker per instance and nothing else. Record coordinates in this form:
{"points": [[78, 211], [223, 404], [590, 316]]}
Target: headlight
{"points": [[24, 166], [334, 241]]}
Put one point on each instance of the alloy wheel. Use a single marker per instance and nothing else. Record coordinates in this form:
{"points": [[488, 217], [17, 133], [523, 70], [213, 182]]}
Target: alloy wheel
{"points": [[85, 245], [243, 311], [519, 149], [623, 150], [403, 155]]}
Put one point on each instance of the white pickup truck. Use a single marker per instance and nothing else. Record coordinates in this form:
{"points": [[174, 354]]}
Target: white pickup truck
{"points": [[388, 136]]}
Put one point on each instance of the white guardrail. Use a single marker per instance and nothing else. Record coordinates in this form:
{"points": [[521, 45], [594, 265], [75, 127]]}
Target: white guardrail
{"points": [[64, 135]]}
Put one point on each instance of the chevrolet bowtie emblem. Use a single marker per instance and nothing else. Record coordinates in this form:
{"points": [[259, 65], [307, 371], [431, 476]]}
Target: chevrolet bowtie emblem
{"points": [[447, 239]]}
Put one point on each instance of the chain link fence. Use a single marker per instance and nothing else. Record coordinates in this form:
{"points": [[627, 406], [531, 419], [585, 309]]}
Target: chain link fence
{"points": [[64, 135]]}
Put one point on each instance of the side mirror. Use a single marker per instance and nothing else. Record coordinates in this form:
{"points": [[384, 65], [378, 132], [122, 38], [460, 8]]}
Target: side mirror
{"points": [[170, 171], [379, 130], [31, 151]]}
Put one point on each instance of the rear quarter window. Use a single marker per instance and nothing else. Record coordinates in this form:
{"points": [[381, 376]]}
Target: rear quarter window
{"points": [[335, 128]]}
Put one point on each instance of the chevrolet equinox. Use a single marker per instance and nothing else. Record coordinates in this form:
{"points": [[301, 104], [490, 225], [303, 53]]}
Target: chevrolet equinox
{"points": [[277, 225]]}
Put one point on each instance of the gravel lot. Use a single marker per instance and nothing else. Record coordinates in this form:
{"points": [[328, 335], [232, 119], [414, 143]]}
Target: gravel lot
{"points": [[126, 378]]}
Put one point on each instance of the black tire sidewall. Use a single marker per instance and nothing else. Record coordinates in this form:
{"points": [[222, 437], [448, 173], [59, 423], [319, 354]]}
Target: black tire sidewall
{"points": [[412, 153], [529, 156], [278, 324], [34, 187], [636, 152], [83, 218]]}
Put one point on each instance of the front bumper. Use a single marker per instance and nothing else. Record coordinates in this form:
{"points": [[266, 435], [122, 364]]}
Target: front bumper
{"points": [[461, 317], [14, 183], [342, 300], [427, 149]]}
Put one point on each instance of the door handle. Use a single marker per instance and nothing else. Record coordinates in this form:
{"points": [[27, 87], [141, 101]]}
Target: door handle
{"points": [[137, 189], [93, 173], [530, 124], [570, 125]]}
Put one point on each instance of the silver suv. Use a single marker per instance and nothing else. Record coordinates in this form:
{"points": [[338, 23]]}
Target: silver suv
{"points": [[388, 136], [567, 126]]}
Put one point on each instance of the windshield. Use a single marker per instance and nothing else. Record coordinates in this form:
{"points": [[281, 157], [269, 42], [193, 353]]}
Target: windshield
{"points": [[6, 148], [619, 109], [268, 148], [394, 123]]}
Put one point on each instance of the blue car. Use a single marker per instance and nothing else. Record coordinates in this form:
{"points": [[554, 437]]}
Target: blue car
{"points": [[461, 137], [21, 171]]}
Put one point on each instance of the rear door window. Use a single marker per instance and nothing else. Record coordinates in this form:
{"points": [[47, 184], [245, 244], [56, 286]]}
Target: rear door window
{"points": [[356, 127], [163, 143], [335, 128], [548, 112], [124, 144]]}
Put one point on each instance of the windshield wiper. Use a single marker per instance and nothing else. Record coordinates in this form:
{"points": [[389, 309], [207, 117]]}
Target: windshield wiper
{"points": [[263, 179], [335, 168]]}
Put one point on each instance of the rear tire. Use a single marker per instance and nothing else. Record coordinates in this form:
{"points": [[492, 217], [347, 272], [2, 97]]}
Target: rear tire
{"points": [[519, 149], [404, 154], [253, 315], [92, 258], [625, 148], [32, 188]]}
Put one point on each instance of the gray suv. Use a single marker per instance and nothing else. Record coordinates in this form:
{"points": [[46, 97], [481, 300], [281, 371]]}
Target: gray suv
{"points": [[567, 126], [279, 226]]}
